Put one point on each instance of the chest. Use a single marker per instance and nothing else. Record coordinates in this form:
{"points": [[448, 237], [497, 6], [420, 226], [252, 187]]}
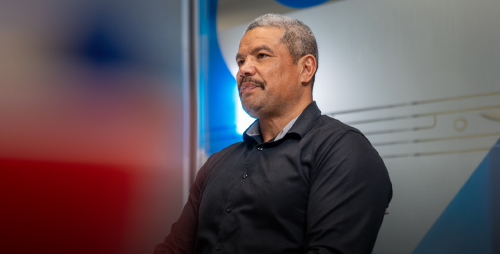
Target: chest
{"points": [[262, 180]]}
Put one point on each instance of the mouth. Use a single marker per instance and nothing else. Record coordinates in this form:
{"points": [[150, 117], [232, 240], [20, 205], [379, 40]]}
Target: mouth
{"points": [[247, 84], [247, 87]]}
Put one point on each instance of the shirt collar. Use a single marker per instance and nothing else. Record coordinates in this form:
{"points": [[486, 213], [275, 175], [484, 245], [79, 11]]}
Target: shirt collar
{"points": [[299, 125], [254, 129]]}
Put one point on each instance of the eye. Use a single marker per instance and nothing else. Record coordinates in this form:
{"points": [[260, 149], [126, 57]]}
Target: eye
{"points": [[240, 62], [261, 55]]}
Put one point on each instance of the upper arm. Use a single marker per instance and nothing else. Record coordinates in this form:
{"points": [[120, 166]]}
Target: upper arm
{"points": [[350, 190]]}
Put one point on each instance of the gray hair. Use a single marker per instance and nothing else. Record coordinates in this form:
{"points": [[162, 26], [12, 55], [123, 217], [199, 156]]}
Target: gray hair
{"points": [[297, 36]]}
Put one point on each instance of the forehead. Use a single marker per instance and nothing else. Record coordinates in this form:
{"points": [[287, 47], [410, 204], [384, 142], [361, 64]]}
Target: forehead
{"points": [[261, 36]]}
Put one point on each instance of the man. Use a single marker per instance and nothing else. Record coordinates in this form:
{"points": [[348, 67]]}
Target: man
{"points": [[300, 182]]}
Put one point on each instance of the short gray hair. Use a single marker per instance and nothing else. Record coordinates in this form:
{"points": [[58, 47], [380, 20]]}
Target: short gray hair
{"points": [[297, 36]]}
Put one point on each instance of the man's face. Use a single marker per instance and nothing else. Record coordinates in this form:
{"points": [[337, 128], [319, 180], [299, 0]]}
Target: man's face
{"points": [[268, 80]]}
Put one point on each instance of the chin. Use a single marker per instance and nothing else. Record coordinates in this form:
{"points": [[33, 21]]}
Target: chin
{"points": [[252, 111]]}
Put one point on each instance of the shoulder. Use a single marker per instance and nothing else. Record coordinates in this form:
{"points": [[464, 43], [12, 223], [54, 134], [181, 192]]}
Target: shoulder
{"points": [[224, 156], [325, 121], [332, 130], [216, 159], [329, 138], [221, 155], [336, 144]]}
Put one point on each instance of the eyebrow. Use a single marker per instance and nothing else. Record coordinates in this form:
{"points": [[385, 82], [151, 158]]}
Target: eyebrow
{"points": [[255, 50]]}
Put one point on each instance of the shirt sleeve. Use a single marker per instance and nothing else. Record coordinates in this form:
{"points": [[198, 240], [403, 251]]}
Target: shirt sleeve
{"points": [[350, 190], [182, 237]]}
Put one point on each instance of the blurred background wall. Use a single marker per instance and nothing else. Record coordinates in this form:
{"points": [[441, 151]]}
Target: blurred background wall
{"points": [[108, 108], [93, 124]]}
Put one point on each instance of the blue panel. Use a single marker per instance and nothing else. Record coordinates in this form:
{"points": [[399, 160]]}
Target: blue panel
{"points": [[301, 3], [217, 83], [468, 224]]}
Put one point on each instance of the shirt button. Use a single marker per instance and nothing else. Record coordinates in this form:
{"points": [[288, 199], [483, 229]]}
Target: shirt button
{"points": [[260, 148], [245, 176], [229, 209], [218, 247]]}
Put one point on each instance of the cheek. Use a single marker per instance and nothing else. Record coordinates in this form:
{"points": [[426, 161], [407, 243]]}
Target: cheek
{"points": [[274, 74]]}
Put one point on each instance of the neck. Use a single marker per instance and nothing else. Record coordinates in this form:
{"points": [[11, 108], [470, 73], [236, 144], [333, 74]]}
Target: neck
{"points": [[270, 127]]}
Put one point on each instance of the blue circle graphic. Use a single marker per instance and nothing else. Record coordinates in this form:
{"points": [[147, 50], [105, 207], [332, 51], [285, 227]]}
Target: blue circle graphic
{"points": [[301, 3]]}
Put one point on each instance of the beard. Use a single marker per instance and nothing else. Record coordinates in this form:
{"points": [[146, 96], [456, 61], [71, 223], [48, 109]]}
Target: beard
{"points": [[253, 106]]}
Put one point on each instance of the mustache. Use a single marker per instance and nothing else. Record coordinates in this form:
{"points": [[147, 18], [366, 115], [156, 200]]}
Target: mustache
{"points": [[252, 80]]}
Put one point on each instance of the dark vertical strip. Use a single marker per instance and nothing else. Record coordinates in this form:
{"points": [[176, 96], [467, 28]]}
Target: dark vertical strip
{"points": [[193, 91], [495, 196]]}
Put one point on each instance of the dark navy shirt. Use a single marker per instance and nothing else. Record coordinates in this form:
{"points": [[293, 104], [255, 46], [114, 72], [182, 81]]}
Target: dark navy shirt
{"points": [[322, 188]]}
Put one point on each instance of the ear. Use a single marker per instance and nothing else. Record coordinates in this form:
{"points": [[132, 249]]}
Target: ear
{"points": [[309, 66]]}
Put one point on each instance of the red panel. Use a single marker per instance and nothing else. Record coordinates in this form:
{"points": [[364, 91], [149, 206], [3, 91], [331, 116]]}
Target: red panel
{"points": [[52, 207]]}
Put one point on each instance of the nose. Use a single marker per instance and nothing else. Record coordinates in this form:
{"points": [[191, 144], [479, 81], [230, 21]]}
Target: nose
{"points": [[247, 68]]}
